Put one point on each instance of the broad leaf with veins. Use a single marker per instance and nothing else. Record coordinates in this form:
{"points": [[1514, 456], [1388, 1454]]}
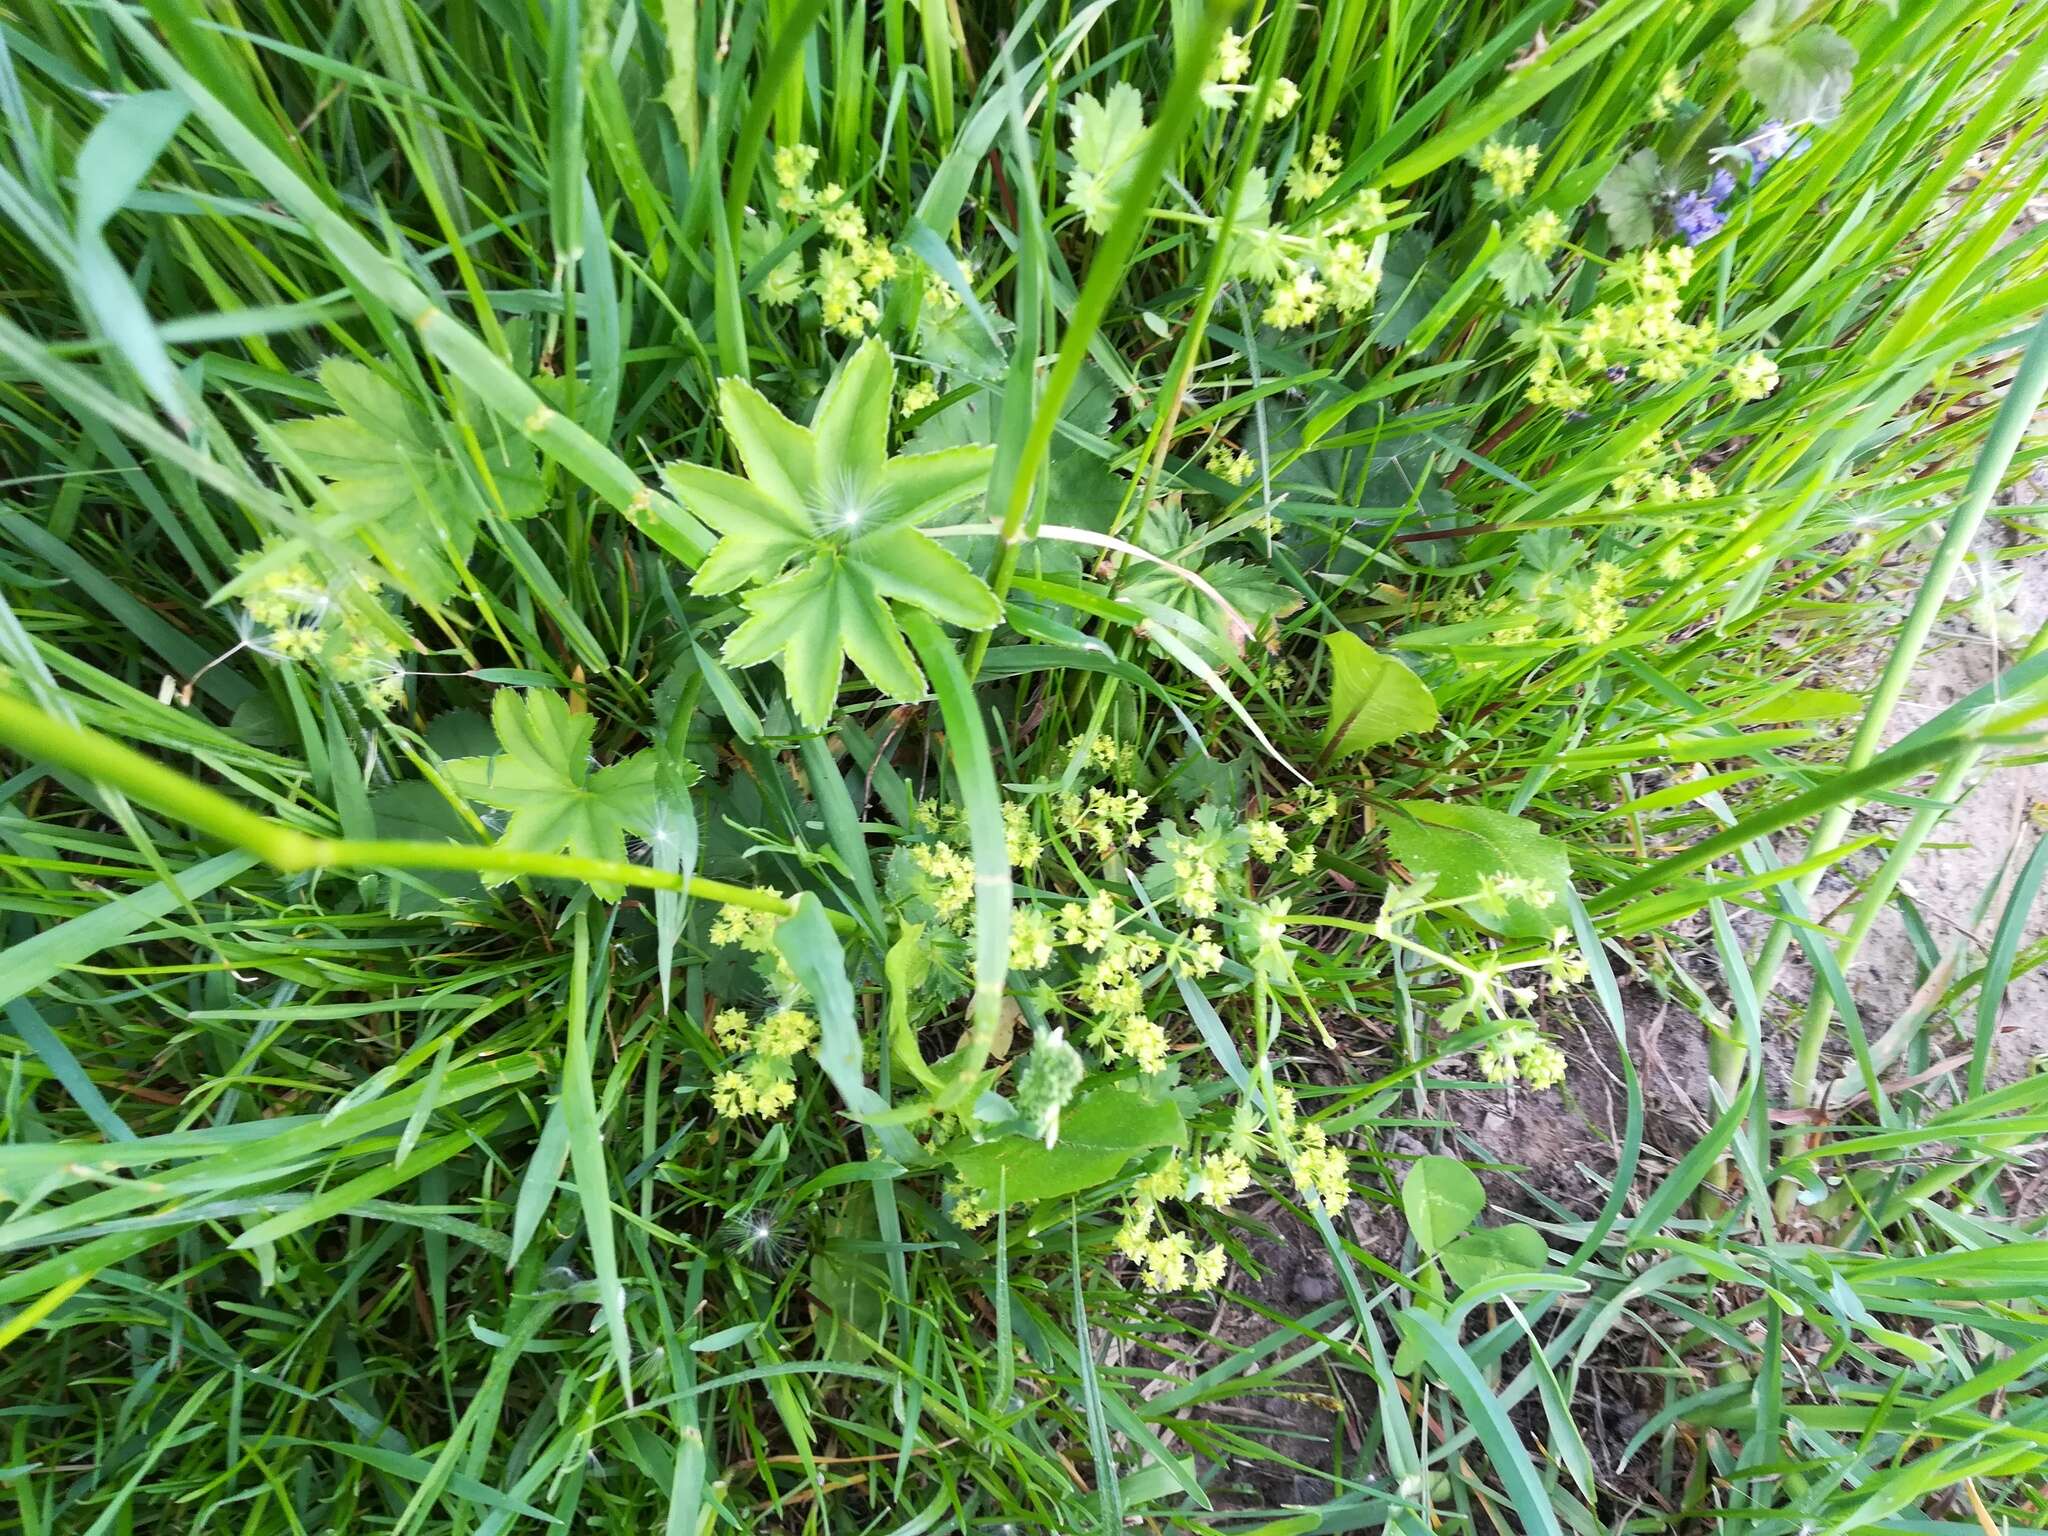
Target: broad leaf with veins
{"points": [[559, 801], [821, 532]]}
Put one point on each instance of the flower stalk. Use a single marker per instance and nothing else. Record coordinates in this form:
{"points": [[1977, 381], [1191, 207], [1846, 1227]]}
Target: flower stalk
{"points": [[41, 737]]}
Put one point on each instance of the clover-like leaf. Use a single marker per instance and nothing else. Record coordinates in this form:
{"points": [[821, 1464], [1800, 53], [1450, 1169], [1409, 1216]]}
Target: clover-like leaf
{"points": [[558, 801], [820, 536], [1441, 1198]]}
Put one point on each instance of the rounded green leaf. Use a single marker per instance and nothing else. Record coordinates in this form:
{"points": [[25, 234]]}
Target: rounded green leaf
{"points": [[1441, 1198], [1491, 1252], [1373, 699], [1099, 1133]]}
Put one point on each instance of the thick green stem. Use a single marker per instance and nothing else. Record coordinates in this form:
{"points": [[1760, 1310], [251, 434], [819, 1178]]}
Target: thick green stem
{"points": [[44, 738], [1105, 277], [2021, 401]]}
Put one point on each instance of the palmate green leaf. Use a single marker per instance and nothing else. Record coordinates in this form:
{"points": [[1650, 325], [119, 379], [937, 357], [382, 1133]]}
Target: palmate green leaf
{"points": [[1467, 849], [543, 775], [1098, 1133], [1628, 197], [1256, 596], [1803, 79], [1523, 276], [397, 485], [821, 536], [1109, 136], [1373, 698]]}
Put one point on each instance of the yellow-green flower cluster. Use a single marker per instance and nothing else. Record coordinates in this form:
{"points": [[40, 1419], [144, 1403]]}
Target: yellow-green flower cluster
{"points": [[1021, 842], [1199, 954], [1510, 167], [1031, 939], [1670, 92], [1351, 275], [1333, 258], [1319, 1168], [1649, 473], [1268, 842], [1118, 760], [1519, 1052], [744, 928], [1221, 1177], [1230, 465], [1197, 864], [1295, 302], [940, 298], [1166, 1260], [1110, 988], [301, 611], [1315, 172], [1108, 820], [1646, 332], [1089, 925], [1541, 233], [1597, 613], [853, 269], [1226, 80], [948, 879], [1754, 377], [1232, 63], [763, 1082], [1550, 385], [1648, 329], [969, 1206]]}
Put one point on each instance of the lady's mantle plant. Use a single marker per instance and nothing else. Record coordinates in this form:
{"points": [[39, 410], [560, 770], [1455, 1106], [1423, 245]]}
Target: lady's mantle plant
{"points": [[822, 536]]}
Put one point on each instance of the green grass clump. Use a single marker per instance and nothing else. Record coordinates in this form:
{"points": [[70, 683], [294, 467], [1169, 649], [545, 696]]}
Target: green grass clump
{"points": [[803, 766]]}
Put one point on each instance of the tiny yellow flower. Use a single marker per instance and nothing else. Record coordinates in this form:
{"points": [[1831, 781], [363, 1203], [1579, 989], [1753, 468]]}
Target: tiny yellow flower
{"points": [[1754, 377]]}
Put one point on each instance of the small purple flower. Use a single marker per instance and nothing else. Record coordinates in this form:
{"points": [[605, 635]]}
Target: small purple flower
{"points": [[1720, 186], [1773, 141], [1696, 218]]}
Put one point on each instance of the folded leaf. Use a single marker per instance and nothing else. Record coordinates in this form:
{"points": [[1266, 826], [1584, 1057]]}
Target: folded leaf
{"points": [[1373, 699]]}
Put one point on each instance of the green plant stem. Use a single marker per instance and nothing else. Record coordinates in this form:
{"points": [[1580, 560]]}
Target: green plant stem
{"points": [[44, 738], [1801, 1088], [2022, 398], [1105, 276]]}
